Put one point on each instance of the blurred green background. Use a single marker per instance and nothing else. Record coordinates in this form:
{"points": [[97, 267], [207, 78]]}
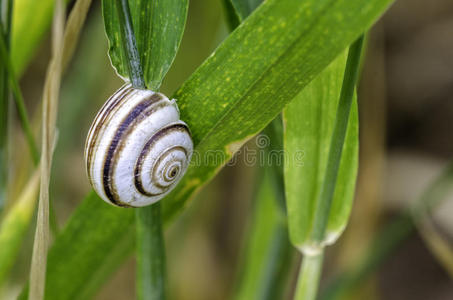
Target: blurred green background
{"points": [[406, 114]]}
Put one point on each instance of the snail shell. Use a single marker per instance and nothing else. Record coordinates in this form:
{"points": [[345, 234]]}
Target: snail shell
{"points": [[137, 148]]}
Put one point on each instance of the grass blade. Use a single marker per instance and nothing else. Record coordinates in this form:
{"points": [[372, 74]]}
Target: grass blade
{"points": [[314, 250], [324, 204], [130, 56], [50, 104], [158, 26], [309, 124], [251, 74]]}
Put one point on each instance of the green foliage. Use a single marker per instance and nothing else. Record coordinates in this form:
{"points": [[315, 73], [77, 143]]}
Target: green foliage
{"points": [[158, 27], [248, 80], [309, 123]]}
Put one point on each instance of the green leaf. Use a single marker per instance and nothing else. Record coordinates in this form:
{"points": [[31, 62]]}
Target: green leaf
{"points": [[309, 122], [158, 27], [247, 81]]}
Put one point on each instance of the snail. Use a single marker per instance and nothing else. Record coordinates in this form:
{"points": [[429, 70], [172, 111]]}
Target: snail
{"points": [[137, 148]]}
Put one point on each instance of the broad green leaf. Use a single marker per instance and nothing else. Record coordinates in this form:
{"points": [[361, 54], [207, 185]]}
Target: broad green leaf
{"points": [[158, 27], [309, 122], [247, 81], [268, 250]]}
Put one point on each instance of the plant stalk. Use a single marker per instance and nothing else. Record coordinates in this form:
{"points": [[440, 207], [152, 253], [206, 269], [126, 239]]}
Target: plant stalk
{"points": [[150, 274], [309, 275], [324, 202], [150, 254]]}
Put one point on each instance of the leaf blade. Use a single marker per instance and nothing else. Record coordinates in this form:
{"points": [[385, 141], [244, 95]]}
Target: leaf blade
{"points": [[309, 122], [158, 27]]}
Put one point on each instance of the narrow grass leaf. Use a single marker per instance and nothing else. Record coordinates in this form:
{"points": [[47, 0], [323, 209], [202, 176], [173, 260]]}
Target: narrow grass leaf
{"points": [[309, 123], [255, 72], [158, 27], [50, 108]]}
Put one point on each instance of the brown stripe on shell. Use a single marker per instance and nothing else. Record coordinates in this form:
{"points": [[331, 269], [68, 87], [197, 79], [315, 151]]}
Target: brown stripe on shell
{"points": [[141, 111], [98, 124], [108, 104], [145, 151]]}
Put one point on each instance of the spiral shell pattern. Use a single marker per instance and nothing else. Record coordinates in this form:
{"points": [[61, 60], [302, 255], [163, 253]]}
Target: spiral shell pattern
{"points": [[137, 148]]}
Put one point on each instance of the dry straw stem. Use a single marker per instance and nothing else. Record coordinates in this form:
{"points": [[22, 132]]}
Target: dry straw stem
{"points": [[49, 114], [64, 42]]}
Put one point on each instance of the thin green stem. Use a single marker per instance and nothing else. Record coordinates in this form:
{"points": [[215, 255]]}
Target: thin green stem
{"points": [[309, 275], [19, 99], [336, 145], [130, 45], [150, 274]]}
